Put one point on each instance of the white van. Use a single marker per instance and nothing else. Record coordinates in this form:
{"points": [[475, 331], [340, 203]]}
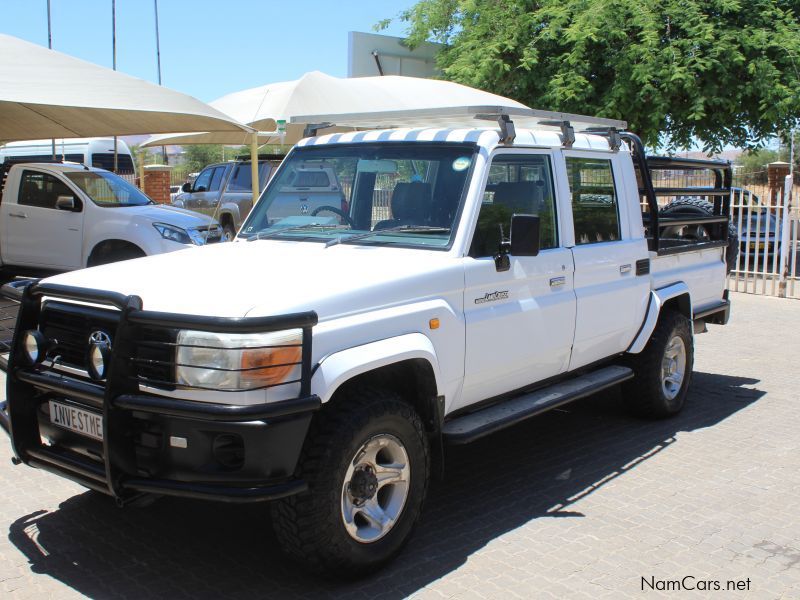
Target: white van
{"points": [[92, 152]]}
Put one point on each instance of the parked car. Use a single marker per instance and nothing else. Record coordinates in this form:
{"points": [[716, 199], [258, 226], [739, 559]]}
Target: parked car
{"points": [[224, 191], [512, 275], [757, 226], [60, 216], [93, 152]]}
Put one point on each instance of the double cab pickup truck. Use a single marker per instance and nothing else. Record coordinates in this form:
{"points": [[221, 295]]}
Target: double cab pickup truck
{"points": [[61, 216], [515, 270]]}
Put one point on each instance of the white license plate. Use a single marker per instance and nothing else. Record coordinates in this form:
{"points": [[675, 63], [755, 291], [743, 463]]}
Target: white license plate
{"points": [[78, 420]]}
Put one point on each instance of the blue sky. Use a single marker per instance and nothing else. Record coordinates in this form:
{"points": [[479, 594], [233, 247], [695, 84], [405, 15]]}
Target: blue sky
{"points": [[208, 47]]}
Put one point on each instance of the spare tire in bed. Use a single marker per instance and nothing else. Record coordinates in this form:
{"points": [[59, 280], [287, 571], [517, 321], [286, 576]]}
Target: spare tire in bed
{"points": [[698, 207]]}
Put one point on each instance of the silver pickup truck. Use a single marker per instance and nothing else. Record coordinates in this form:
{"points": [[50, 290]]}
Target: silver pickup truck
{"points": [[223, 191]]}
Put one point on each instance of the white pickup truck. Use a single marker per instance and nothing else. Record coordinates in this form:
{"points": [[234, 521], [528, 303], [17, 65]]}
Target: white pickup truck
{"points": [[63, 216], [514, 272]]}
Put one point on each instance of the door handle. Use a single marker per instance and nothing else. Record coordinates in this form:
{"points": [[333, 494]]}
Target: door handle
{"points": [[624, 269], [558, 281], [18, 215]]}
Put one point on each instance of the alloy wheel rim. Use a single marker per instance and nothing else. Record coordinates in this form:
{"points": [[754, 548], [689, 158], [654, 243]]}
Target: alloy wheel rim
{"points": [[673, 367], [375, 488]]}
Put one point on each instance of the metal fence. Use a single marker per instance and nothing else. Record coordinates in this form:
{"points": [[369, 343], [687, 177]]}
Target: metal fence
{"points": [[768, 226]]}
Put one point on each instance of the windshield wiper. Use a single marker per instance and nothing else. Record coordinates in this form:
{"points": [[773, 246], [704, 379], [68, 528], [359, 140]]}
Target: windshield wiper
{"points": [[403, 228], [265, 235]]}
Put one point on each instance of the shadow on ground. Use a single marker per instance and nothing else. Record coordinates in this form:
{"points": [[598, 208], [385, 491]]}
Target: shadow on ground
{"points": [[536, 470]]}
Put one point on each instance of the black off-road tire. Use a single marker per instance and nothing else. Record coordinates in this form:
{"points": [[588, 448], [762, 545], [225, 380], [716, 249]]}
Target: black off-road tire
{"points": [[309, 526], [703, 208], [228, 231], [644, 394]]}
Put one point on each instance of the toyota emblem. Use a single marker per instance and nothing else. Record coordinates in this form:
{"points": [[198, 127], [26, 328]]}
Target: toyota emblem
{"points": [[99, 337]]}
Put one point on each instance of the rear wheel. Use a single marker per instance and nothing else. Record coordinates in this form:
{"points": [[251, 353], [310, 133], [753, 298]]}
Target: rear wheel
{"points": [[663, 370], [366, 462]]}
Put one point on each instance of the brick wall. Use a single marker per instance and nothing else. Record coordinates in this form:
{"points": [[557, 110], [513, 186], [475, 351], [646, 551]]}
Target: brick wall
{"points": [[156, 183]]}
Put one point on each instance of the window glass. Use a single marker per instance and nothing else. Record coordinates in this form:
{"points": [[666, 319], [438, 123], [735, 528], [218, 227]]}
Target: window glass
{"points": [[594, 200], [107, 189], [105, 160], [517, 184], [382, 193], [41, 189], [242, 180], [203, 180], [216, 179]]}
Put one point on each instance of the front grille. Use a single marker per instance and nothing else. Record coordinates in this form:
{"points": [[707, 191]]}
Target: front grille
{"points": [[212, 234], [71, 325]]}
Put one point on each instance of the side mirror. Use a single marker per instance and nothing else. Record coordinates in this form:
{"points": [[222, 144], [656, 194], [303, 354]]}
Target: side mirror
{"points": [[186, 187], [525, 232], [65, 203]]}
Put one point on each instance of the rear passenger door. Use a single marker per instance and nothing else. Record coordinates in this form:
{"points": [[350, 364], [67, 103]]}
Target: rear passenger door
{"points": [[520, 322], [611, 298]]}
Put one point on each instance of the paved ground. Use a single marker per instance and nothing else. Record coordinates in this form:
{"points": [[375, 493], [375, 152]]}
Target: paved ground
{"points": [[582, 503]]}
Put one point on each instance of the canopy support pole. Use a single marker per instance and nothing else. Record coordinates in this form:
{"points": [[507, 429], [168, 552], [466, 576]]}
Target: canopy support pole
{"points": [[254, 165]]}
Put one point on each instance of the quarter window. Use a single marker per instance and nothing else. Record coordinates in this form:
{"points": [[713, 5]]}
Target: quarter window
{"points": [[518, 184], [41, 189], [595, 212]]}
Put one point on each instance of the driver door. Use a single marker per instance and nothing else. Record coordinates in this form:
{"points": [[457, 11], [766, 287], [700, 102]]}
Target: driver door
{"points": [[519, 322], [37, 234]]}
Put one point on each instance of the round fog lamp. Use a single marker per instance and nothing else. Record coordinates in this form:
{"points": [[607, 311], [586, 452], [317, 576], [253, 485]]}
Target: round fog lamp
{"points": [[98, 360], [34, 346]]}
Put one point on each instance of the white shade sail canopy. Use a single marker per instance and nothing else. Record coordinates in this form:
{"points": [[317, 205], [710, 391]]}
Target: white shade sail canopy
{"points": [[319, 94], [47, 94]]}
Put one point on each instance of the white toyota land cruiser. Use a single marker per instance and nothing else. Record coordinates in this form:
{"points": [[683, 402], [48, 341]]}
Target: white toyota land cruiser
{"points": [[477, 278]]}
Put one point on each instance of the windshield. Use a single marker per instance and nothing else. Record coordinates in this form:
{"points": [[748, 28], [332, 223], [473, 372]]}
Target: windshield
{"points": [[107, 190], [397, 194]]}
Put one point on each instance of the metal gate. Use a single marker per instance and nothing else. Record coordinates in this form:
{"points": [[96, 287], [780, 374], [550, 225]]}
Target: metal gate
{"points": [[768, 228]]}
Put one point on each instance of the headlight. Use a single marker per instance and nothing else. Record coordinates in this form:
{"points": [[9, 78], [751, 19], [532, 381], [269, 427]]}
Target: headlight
{"points": [[34, 346], [176, 234], [232, 362]]}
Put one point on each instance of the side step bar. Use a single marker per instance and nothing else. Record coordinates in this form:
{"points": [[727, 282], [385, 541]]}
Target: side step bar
{"points": [[472, 426]]}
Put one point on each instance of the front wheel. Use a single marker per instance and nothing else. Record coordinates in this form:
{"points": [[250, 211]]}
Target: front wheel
{"points": [[663, 370], [366, 462], [228, 232]]}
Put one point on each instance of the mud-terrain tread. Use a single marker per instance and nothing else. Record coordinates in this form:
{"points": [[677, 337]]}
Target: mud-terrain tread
{"points": [[643, 394], [304, 524], [705, 206]]}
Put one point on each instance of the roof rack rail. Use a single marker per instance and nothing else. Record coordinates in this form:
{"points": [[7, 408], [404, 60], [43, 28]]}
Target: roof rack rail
{"points": [[612, 133], [460, 117]]}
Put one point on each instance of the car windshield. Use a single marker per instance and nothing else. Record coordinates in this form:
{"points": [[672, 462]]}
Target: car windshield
{"points": [[108, 190], [399, 194]]}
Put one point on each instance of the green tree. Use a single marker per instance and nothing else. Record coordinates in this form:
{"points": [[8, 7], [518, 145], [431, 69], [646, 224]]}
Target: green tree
{"points": [[197, 156], [721, 71]]}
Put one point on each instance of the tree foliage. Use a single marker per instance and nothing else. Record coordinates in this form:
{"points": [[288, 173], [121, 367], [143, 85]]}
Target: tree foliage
{"points": [[722, 71], [197, 156]]}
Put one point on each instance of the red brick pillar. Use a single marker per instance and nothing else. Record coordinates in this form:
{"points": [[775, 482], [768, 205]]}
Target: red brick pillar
{"points": [[156, 183], [776, 174]]}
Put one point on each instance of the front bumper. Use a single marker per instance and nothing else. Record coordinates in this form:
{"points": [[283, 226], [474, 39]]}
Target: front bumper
{"points": [[152, 443]]}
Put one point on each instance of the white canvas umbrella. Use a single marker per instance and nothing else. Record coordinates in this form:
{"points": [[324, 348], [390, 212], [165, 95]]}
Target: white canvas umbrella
{"points": [[47, 94], [317, 93]]}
